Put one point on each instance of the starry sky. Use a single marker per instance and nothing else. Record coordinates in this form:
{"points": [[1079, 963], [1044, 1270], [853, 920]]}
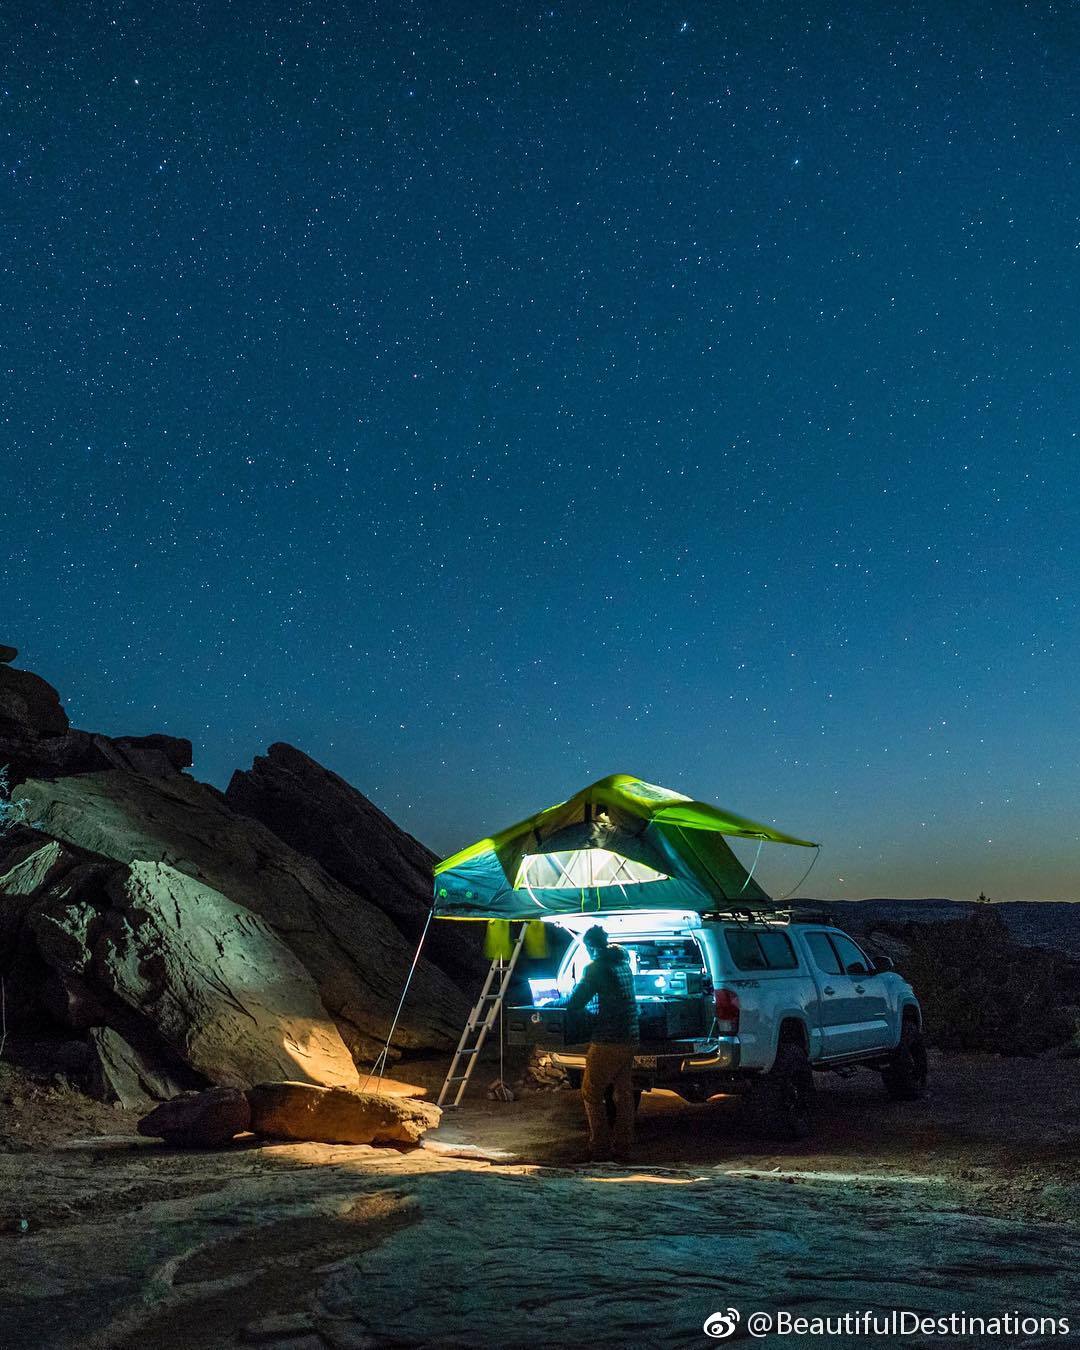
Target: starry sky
{"points": [[486, 397]]}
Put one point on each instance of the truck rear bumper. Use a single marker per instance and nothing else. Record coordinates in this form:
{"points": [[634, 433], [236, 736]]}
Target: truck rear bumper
{"points": [[719, 1055]]}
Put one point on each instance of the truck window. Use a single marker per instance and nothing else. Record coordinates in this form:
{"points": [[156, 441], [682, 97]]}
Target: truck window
{"points": [[778, 950], [751, 950], [853, 960], [744, 949], [821, 949]]}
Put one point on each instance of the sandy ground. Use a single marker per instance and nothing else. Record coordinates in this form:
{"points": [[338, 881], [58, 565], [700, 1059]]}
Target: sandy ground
{"points": [[965, 1202]]}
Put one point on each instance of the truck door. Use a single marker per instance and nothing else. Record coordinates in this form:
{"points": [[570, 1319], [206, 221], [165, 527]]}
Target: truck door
{"points": [[872, 1007], [840, 1006]]}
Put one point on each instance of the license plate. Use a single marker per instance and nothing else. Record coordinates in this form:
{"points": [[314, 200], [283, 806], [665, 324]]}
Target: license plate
{"points": [[644, 1061]]}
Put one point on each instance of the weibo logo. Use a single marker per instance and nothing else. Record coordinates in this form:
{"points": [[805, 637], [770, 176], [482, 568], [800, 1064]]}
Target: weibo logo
{"points": [[720, 1325]]}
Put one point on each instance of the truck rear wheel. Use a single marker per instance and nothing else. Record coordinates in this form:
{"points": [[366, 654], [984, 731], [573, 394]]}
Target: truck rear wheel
{"points": [[781, 1102], [906, 1076]]}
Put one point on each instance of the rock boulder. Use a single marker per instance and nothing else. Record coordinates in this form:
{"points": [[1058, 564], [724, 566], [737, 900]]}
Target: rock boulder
{"points": [[199, 1119], [357, 957], [213, 982], [321, 815], [336, 1116], [29, 706], [124, 1074], [36, 739]]}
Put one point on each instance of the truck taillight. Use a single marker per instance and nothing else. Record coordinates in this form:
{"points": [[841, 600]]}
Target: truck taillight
{"points": [[727, 1011]]}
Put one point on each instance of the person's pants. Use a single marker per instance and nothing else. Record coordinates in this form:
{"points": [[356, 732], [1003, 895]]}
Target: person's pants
{"points": [[609, 1066]]}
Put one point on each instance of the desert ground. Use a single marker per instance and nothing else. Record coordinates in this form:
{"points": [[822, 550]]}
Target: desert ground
{"points": [[495, 1234]]}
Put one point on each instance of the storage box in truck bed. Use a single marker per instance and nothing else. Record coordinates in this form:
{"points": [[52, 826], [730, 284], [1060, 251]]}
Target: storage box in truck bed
{"points": [[551, 1027], [659, 1019], [671, 1019]]}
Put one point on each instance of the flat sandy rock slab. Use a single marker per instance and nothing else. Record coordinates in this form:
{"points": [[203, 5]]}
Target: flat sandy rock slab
{"points": [[338, 1115], [473, 1151], [587, 1260]]}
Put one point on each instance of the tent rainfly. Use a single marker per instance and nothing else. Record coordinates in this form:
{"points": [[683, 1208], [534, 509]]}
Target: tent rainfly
{"points": [[619, 844]]}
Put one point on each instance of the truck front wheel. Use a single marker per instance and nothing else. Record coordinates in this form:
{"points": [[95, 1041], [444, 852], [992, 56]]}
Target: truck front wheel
{"points": [[906, 1075], [781, 1102]]}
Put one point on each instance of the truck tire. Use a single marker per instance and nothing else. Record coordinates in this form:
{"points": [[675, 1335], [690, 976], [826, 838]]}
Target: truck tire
{"points": [[906, 1075], [781, 1102]]}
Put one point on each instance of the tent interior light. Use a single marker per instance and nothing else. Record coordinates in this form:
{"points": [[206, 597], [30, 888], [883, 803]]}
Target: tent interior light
{"points": [[584, 867]]}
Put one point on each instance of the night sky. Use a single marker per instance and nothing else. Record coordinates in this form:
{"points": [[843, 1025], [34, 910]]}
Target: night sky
{"points": [[489, 397]]}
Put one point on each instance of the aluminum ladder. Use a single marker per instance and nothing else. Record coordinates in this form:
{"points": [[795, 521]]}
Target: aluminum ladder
{"points": [[481, 1020]]}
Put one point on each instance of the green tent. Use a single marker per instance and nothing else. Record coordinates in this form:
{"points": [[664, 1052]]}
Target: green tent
{"points": [[618, 844]]}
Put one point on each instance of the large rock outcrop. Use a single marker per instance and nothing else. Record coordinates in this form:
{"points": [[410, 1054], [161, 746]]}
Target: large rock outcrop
{"points": [[36, 738], [173, 983], [220, 989], [29, 706], [339, 889], [321, 815], [357, 957]]}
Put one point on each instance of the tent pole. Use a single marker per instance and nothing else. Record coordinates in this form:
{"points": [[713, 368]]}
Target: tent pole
{"points": [[380, 1063], [813, 860], [753, 866]]}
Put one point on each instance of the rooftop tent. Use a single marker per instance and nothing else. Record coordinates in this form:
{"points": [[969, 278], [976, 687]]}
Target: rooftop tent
{"points": [[619, 844]]}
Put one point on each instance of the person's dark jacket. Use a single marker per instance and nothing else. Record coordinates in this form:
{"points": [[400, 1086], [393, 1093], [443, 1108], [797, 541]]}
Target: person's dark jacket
{"points": [[609, 980]]}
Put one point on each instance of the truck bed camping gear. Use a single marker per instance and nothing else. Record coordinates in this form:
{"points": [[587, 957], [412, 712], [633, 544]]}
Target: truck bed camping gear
{"points": [[659, 1019]]}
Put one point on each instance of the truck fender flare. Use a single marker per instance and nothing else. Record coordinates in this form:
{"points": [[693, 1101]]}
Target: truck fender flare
{"points": [[789, 1021], [909, 1008]]}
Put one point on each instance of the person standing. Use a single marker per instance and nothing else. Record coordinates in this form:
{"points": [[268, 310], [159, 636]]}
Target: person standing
{"points": [[609, 980]]}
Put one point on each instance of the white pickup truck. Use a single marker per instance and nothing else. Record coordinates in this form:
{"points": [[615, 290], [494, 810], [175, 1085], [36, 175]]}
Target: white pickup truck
{"points": [[743, 1004]]}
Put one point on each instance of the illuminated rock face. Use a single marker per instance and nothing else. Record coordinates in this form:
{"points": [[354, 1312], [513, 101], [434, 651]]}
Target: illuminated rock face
{"points": [[219, 989], [296, 1111], [356, 956], [129, 958]]}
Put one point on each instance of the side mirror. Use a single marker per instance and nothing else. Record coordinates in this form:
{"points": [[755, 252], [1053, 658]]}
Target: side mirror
{"points": [[883, 963], [857, 968]]}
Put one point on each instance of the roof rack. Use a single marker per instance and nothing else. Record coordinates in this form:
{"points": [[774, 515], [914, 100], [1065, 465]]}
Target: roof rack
{"points": [[808, 913]]}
